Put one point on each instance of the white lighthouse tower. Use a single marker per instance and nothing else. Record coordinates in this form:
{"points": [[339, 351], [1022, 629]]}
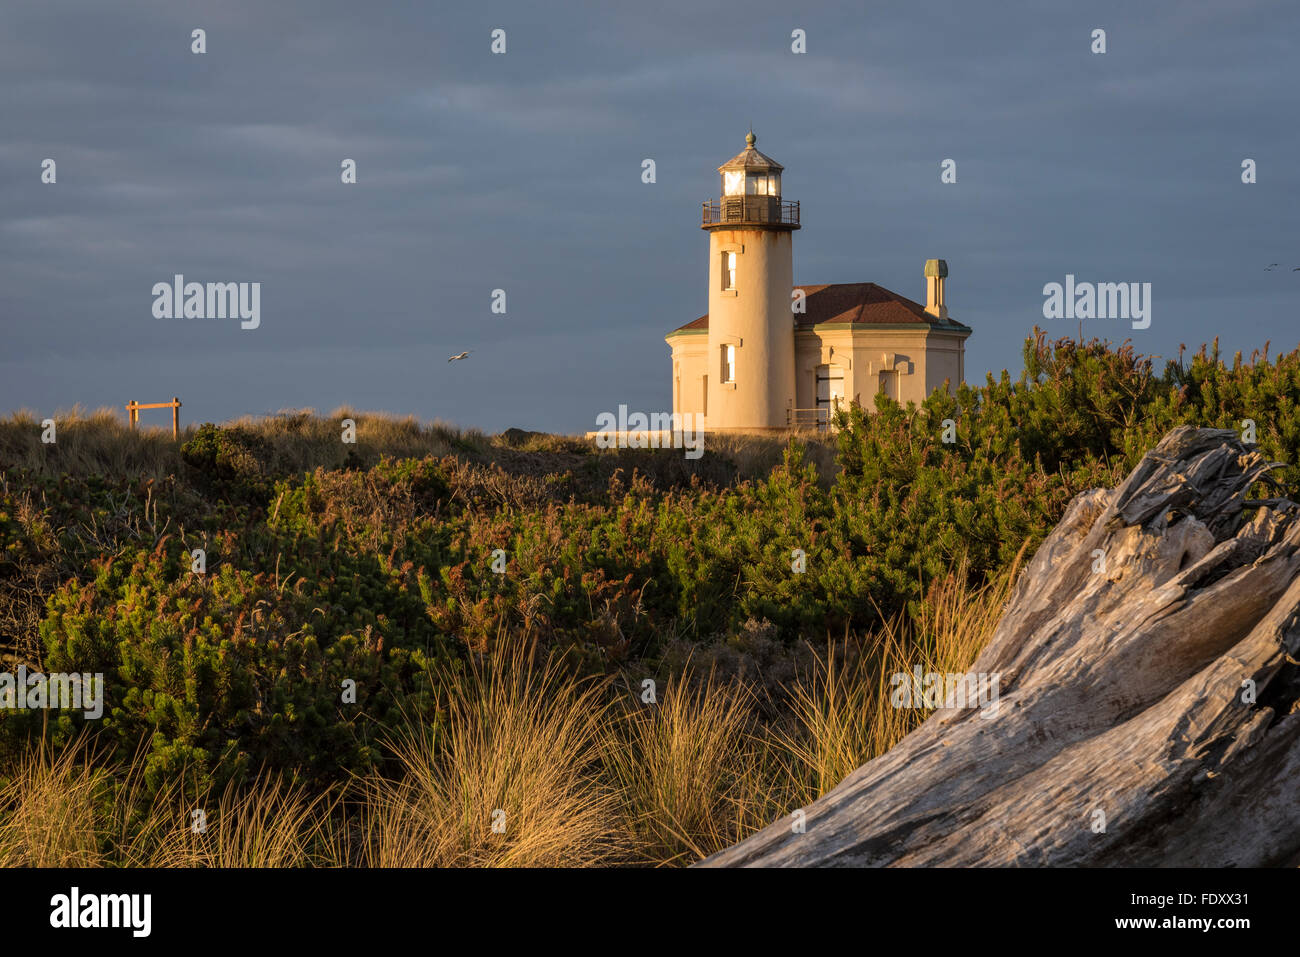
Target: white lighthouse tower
{"points": [[750, 363]]}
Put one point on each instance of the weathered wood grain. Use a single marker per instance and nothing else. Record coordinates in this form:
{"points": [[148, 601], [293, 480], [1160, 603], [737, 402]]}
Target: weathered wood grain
{"points": [[1121, 692]]}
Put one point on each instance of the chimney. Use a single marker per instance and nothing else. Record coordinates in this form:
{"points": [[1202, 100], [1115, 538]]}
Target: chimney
{"points": [[936, 274]]}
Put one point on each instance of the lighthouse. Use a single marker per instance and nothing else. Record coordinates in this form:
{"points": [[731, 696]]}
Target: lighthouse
{"points": [[770, 355], [751, 385]]}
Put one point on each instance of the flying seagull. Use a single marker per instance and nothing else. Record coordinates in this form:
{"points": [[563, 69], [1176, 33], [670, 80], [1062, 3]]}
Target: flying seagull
{"points": [[1267, 268], [463, 355]]}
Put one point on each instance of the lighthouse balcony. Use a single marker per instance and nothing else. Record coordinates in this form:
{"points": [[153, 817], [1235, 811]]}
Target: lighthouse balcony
{"points": [[751, 211]]}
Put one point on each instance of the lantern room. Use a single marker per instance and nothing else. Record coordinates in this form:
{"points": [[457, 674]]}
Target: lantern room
{"points": [[751, 173], [751, 193]]}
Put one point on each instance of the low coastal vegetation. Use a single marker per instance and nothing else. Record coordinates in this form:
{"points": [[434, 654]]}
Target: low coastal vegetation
{"points": [[436, 647]]}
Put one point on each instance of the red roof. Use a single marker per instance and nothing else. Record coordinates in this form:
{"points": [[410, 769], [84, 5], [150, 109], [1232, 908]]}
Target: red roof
{"points": [[858, 303]]}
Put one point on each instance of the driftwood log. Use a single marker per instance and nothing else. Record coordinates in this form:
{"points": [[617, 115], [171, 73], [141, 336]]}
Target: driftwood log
{"points": [[1148, 701]]}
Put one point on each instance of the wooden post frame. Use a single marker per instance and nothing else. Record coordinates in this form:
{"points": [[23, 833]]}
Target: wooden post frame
{"points": [[133, 413]]}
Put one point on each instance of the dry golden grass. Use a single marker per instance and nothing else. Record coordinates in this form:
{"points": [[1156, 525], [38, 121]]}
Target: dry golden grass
{"points": [[70, 810], [86, 443], [103, 443], [583, 775], [263, 824], [511, 782], [697, 772], [691, 770], [299, 440], [841, 713], [50, 812]]}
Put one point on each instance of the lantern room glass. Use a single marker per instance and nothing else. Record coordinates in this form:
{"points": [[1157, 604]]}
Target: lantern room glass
{"points": [[741, 183], [763, 184]]}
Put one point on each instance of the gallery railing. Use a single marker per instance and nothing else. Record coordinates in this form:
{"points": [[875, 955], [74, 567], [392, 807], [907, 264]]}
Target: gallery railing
{"points": [[751, 211]]}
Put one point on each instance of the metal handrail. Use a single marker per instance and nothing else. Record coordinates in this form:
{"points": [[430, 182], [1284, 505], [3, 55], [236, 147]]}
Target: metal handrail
{"points": [[818, 418], [750, 210]]}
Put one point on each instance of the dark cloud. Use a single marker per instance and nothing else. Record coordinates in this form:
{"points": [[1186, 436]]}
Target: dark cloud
{"points": [[523, 172]]}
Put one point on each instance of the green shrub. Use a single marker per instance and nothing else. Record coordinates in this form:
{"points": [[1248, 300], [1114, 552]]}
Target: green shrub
{"points": [[230, 459], [373, 574]]}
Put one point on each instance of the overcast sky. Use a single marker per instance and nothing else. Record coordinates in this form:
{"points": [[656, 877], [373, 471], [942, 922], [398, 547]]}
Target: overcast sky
{"points": [[522, 172]]}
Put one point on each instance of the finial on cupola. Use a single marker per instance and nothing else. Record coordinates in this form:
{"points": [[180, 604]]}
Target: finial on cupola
{"points": [[750, 138]]}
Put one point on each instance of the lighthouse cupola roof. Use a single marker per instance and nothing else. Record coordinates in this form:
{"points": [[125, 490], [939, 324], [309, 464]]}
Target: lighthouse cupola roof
{"points": [[750, 158]]}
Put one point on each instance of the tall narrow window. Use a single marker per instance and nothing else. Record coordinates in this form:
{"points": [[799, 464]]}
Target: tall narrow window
{"points": [[728, 270], [728, 363]]}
